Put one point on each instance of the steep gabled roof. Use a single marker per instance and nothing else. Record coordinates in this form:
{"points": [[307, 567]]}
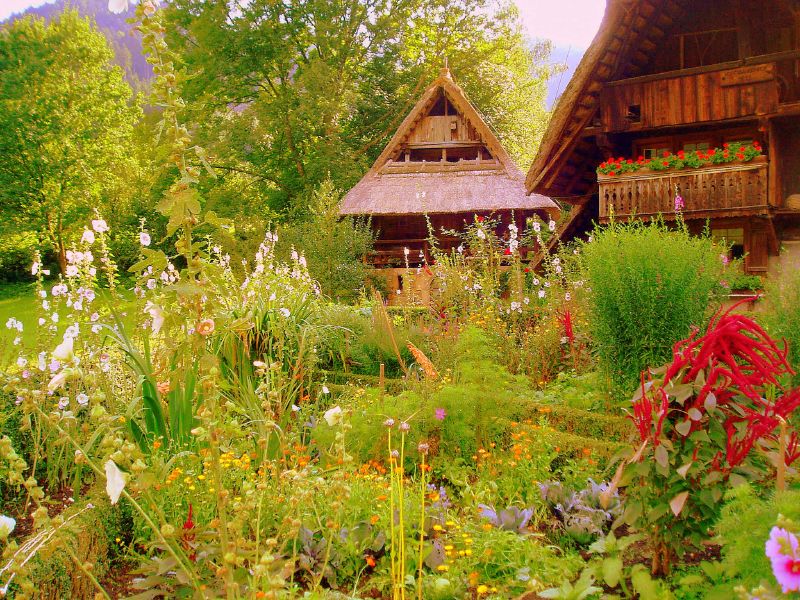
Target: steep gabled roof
{"points": [[629, 35], [393, 187]]}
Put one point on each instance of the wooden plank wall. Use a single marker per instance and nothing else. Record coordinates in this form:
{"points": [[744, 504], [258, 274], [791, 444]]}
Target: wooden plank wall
{"points": [[701, 97], [725, 190], [439, 129]]}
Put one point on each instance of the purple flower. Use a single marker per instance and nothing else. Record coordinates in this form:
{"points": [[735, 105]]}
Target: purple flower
{"points": [[404, 426], [440, 414], [782, 550]]}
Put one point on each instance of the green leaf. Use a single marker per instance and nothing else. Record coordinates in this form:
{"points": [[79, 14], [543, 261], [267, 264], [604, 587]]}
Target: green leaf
{"points": [[612, 570], [677, 503], [662, 456], [683, 427]]}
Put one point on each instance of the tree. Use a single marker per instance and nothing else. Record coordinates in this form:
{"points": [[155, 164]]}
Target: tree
{"points": [[292, 91], [67, 118]]}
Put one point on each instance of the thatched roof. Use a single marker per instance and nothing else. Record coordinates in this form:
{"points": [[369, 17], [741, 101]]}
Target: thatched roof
{"points": [[395, 187], [629, 35]]}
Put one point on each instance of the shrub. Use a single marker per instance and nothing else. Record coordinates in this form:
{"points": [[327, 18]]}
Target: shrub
{"points": [[649, 286], [334, 247], [783, 316]]}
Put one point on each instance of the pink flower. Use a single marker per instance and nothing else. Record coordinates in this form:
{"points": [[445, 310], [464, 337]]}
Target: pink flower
{"points": [[440, 414], [679, 203], [782, 550]]}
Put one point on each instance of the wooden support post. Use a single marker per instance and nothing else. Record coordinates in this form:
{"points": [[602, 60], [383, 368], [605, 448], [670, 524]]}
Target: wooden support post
{"points": [[382, 382], [780, 475]]}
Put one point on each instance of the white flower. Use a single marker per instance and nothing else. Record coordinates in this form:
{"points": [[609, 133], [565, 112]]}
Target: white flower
{"points": [[551, 225], [35, 268], [64, 351], [87, 237], [285, 312], [325, 389], [567, 297], [460, 248], [556, 261], [480, 233], [156, 314], [333, 416], [406, 251], [57, 381], [82, 399], [7, 525], [151, 284], [42, 362], [115, 479], [144, 238], [63, 403], [99, 225], [117, 6], [591, 239], [22, 362], [541, 293], [535, 281], [54, 317], [537, 227]]}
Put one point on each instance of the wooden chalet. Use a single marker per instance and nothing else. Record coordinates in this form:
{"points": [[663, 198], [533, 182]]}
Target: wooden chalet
{"points": [[443, 164], [664, 76]]}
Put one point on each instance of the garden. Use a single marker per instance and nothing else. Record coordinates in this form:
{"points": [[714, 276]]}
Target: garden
{"points": [[176, 422]]}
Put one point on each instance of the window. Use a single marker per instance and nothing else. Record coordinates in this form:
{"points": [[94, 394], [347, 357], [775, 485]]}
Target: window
{"points": [[694, 146], [655, 151], [732, 237]]}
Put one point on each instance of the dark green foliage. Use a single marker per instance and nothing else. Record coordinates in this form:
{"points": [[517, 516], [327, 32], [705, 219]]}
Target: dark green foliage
{"points": [[334, 247], [291, 93], [782, 316], [67, 119], [649, 286]]}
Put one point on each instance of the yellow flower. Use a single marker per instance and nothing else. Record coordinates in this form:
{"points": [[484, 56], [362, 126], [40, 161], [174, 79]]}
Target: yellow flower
{"points": [[482, 589]]}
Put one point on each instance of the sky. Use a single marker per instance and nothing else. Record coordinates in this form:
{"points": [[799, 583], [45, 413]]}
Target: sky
{"points": [[569, 23]]}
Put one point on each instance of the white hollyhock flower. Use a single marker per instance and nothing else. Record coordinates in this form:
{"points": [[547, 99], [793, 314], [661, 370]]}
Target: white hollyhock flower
{"points": [[144, 238], [99, 225], [57, 381], [87, 237], [65, 349], [156, 314], [285, 312], [333, 416], [325, 389], [115, 481], [7, 525], [117, 6]]}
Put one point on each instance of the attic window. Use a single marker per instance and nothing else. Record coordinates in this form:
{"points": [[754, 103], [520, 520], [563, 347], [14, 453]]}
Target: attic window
{"points": [[634, 113], [442, 107]]}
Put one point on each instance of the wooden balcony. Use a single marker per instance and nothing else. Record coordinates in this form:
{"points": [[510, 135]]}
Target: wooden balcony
{"points": [[727, 190]]}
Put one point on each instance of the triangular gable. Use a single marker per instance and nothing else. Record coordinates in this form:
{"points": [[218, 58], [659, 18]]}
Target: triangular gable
{"points": [[444, 86]]}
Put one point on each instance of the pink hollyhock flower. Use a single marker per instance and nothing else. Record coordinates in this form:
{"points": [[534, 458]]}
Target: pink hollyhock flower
{"points": [[440, 414], [784, 554], [679, 203]]}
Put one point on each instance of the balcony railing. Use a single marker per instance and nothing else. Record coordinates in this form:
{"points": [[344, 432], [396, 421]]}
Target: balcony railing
{"points": [[713, 191]]}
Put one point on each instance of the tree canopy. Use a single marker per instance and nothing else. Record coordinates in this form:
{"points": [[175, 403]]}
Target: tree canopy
{"points": [[67, 118], [290, 92]]}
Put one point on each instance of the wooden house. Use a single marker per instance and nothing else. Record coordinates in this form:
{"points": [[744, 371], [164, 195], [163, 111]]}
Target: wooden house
{"points": [[669, 78], [443, 166]]}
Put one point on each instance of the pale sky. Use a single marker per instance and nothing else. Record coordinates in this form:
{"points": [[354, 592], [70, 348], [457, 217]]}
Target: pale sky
{"points": [[566, 22]]}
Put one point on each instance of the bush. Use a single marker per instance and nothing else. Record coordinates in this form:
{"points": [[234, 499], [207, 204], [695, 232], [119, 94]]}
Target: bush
{"points": [[333, 246], [649, 286], [783, 315]]}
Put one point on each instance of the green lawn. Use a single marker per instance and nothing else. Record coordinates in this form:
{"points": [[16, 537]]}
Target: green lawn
{"points": [[20, 302]]}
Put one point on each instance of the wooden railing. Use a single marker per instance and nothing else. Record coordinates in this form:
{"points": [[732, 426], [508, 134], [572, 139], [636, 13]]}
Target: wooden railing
{"points": [[713, 191]]}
